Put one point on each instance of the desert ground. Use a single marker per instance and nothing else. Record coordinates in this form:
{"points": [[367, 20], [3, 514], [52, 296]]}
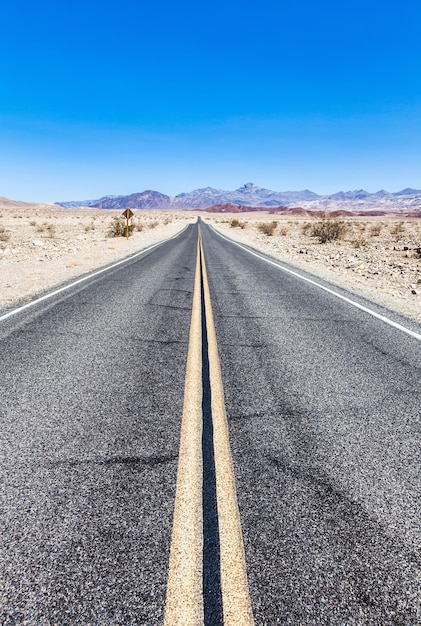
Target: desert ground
{"points": [[42, 246]]}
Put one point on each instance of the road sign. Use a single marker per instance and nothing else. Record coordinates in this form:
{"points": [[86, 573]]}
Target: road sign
{"points": [[128, 213]]}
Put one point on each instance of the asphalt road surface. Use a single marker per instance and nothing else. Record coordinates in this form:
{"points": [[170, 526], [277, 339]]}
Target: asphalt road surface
{"points": [[323, 405]]}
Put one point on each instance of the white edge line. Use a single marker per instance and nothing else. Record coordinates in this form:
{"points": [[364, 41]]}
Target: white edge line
{"points": [[87, 277], [316, 284]]}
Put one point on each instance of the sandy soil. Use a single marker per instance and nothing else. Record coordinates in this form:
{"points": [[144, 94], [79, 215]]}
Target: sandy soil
{"points": [[43, 246]]}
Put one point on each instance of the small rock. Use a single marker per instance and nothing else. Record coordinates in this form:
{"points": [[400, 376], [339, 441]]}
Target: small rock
{"points": [[414, 292], [38, 243]]}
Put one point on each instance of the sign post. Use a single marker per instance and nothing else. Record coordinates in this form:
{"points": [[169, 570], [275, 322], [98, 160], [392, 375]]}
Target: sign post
{"points": [[127, 214]]}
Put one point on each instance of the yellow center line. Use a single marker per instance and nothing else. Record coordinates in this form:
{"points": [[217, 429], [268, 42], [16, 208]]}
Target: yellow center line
{"points": [[235, 593], [184, 601]]}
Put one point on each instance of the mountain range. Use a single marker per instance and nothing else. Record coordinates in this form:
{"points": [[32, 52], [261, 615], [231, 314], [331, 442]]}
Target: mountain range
{"points": [[247, 195]]}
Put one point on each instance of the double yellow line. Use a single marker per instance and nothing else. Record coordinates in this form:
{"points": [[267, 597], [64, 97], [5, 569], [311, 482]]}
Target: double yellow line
{"points": [[184, 601]]}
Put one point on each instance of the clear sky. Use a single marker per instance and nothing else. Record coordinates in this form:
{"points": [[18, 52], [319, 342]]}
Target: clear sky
{"points": [[116, 97]]}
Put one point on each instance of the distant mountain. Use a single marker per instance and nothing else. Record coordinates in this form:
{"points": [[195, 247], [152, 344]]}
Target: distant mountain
{"points": [[407, 192], [199, 198], [247, 195], [145, 200], [250, 195], [74, 203], [358, 194]]}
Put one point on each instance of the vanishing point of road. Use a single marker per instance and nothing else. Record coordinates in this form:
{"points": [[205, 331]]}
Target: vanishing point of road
{"points": [[204, 435]]}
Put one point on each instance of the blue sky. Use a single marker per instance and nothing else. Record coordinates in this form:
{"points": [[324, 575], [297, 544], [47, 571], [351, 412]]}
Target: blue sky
{"points": [[115, 97]]}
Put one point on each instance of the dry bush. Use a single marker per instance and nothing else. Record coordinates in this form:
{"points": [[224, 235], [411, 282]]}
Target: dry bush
{"points": [[235, 223], [32, 223], [359, 242], [305, 228], [118, 228], [89, 227], [328, 229], [375, 230], [283, 232], [4, 234], [267, 228], [47, 228], [153, 224], [397, 229], [51, 230], [139, 227]]}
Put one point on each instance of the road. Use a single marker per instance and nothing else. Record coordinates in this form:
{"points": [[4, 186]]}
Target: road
{"points": [[323, 408]]}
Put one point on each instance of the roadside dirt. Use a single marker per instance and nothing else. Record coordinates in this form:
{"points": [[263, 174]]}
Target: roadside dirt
{"points": [[42, 248], [376, 257]]}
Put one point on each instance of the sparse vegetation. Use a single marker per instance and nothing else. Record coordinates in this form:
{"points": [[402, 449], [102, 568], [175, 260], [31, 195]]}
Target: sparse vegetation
{"points": [[48, 228], [397, 229], [118, 228], [359, 242], [51, 230], [153, 224], [375, 230], [328, 229], [4, 234], [235, 223], [305, 228], [267, 228]]}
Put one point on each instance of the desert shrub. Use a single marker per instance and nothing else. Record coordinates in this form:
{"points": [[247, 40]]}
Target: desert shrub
{"points": [[153, 224], [283, 232], [267, 228], [89, 227], [4, 234], [375, 230], [397, 229], [305, 228], [118, 227], [32, 223], [235, 223], [50, 230], [328, 229], [359, 242]]}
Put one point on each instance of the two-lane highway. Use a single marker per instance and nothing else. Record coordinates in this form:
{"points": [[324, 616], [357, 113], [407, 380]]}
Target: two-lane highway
{"points": [[323, 407]]}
